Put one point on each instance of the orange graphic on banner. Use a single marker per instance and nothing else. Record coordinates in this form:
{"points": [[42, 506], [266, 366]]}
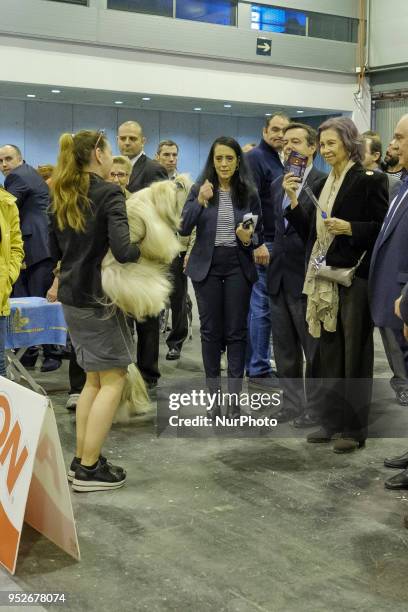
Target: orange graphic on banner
{"points": [[10, 443], [9, 540]]}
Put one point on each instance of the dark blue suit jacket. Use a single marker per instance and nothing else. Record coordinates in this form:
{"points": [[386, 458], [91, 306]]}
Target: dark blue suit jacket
{"points": [[288, 257], [33, 200], [205, 220], [266, 166], [389, 268]]}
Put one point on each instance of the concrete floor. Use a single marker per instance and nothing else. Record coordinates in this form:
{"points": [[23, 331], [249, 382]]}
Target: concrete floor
{"points": [[229, 525]]}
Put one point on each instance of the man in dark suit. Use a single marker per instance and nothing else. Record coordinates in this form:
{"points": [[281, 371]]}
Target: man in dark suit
{"points": [[167, 156], [286, 275], [400, 480], [33, 200], [145, 171], [388, 274], [266, 165]]}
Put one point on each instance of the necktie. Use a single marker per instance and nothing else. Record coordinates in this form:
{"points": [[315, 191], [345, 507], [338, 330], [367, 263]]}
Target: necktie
{"points": [[285, 204]]}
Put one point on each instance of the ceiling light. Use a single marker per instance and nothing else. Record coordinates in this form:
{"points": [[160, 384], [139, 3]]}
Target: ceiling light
{"points": [[55, 91], [31, 95], [300, 112], [146, 99], [118, 102], [197, 108], [227, 105]]}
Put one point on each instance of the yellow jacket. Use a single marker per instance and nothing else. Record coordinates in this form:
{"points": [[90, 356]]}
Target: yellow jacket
{"points": [[11, 248]]}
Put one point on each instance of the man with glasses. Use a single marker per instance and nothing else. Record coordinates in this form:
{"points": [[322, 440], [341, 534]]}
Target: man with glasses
{"points": [[120, 173], [266, 165]]}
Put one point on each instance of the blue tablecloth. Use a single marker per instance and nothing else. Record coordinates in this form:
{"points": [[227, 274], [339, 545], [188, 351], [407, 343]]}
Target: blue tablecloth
{"points": [[34, 321]]}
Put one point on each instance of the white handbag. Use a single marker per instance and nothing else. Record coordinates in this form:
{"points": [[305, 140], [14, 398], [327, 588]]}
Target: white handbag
{"points": [[341, 276]]}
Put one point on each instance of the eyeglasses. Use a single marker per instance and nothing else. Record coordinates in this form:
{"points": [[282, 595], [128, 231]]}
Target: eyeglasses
{"points": [[101, 134], [118, 174]]}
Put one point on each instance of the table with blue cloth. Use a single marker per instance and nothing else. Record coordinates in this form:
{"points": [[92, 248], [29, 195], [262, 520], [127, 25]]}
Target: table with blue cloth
{"points": [[33, 321]]}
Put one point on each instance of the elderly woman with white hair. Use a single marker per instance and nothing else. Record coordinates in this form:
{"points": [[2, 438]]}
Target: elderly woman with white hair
{"points": [[341, 233]]}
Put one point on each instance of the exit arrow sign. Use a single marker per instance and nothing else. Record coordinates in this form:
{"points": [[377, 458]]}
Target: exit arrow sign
{"points": [[263, 46]]}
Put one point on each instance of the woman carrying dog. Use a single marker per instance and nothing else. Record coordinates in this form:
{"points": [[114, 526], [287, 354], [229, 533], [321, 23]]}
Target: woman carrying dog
{"points": [[221, 264], [88, 217]]}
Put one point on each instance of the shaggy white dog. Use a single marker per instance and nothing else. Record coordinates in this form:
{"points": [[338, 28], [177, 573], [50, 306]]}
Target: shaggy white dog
{"points": [[141, 289]]}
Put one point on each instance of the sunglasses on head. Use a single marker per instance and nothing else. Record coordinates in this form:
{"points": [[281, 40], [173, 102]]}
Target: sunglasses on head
{"points": [[101, 134]]}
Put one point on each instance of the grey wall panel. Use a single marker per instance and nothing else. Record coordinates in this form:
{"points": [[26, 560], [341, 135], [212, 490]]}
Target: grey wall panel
{"points": [[387, 115], [149, 120], [96, 118], [388, 44], [12, 113], [202, 39], [49, 19], [56, 21], [211, 127], [36, 127], [249, 130], [44, 123], [183, 128]]}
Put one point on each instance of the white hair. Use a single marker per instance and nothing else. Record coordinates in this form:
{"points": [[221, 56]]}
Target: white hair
{"points": [[141, 289]]}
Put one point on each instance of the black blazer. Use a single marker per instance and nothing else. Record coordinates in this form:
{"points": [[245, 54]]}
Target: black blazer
{"points": [[287, 262], [81, 253], [145, 172], [33, 200], [205, 219], [363, 201]]}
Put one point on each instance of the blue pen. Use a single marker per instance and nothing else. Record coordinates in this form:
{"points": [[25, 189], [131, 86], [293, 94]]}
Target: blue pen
{"points": [[314, 200]]}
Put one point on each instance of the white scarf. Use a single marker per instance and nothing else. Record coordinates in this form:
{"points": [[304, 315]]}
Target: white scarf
{"points": [[323, 295]]}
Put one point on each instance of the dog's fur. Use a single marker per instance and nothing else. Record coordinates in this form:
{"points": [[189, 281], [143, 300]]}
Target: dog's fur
{"points": [[141, 289]]}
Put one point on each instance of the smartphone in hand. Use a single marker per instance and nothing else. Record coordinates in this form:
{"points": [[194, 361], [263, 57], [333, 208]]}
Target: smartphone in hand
{"points": [[296, 164]]}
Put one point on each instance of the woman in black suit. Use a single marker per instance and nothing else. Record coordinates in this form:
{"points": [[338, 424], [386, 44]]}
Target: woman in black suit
{"points": [[221, 264], [353, 204]]}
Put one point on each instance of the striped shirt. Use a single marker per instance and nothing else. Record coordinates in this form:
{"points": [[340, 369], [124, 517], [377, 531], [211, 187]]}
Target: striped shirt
{"points": [[225, 235]]}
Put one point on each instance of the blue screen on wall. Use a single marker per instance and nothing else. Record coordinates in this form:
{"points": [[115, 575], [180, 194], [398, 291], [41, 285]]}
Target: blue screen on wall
{"points": [[285, 21], [222, 12]]}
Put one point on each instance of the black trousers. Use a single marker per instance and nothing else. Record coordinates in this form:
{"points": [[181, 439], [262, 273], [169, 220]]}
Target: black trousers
{"points": [[35, 282], [77, 375], [291, 344], [223, 305], [346, 362], [396, 350], [178, 304], [148, 336]]}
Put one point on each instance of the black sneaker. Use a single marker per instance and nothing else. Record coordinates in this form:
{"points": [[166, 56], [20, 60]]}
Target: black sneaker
{"points": [[75, 464], [113, 476]]}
